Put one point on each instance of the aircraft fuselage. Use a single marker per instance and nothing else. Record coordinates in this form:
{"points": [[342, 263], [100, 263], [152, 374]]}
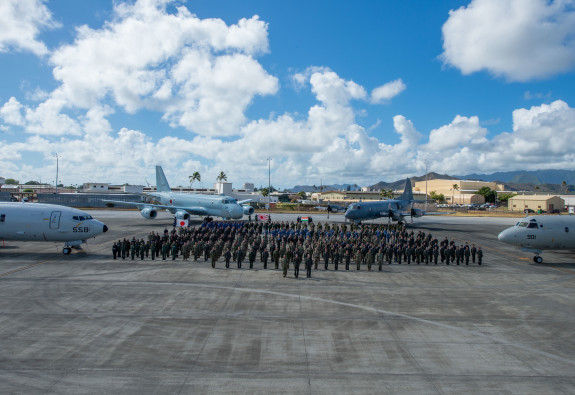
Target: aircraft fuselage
{"points": [[47, 222]]}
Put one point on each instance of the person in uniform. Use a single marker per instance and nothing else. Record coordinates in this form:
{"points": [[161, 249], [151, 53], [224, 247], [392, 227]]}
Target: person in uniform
{"points": [[174, 250], [153, 249], [358, 258], [115, 250], [132, 250], [285, 265], [265, 255], [227, 257], [296, 263], [214, 257], [479, 256], [473, 252], [142, 251], [240, 258], [467, 253], [164, 251], [308, 264], [276, 256]]}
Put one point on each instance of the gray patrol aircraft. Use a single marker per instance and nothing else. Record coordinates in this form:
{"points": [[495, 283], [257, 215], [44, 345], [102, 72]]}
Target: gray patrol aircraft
{"points": [[47, 222], [183, 205], [394, 209], [543, 232]]}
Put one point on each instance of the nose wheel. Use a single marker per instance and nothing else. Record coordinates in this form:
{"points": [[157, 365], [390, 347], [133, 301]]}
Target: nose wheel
{"points": [[537, 259], [66, 250]]}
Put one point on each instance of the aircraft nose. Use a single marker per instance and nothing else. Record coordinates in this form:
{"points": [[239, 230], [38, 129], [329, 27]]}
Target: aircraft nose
{"points": [[505, 236]]}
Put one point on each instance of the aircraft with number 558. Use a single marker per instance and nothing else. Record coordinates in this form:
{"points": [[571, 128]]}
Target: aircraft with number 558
{"points": [[48, 222], [183, 205]]}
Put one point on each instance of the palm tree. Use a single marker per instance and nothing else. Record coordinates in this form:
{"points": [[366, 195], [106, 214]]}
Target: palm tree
{"points": [[195, 177], [264, 192], [454, 188], [564, 186], [386, 193], [222, 177]]}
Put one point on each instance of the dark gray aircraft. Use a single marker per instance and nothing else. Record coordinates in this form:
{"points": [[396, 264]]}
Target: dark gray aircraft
{"points": [[394, 209]]}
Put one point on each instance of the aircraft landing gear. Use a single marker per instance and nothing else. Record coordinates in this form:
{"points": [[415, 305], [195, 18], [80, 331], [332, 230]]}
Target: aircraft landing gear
{"points": [[537, 259], [66, 250]]}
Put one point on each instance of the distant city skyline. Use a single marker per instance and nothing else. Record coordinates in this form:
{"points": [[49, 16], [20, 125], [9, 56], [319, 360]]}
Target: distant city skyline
{"points": [[329, 90]]}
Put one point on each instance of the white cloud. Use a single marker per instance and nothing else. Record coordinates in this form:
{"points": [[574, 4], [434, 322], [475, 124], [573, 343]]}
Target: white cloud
{"points": [[387, 91], [200, 74], [520, 40], [21, 21], [542, 138], [11, 112]]}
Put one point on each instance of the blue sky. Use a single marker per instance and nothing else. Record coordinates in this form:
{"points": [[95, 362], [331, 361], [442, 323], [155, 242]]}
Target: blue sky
{"points": [[332, 91]]}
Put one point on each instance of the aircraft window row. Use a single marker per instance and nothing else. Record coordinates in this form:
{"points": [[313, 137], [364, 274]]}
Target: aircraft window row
{"points": [[81, 217]]}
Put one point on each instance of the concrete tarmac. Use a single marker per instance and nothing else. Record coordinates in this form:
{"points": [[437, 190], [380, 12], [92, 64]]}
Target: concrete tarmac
{"points": [[85, 323]]}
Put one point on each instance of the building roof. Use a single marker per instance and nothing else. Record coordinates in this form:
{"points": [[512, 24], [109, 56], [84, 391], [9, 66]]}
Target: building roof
{"points": [[534, 197]]}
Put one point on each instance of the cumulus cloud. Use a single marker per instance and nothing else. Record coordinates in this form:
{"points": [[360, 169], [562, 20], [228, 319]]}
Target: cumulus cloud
{"points": [[387, 91], [21, 22], [542, 138], [519, 40], [200, 74]]}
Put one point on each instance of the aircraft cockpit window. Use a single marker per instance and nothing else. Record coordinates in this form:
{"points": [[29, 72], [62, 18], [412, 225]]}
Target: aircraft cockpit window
{"points": [[226, 201], [522, 224], [532, 225], [75, 218]]}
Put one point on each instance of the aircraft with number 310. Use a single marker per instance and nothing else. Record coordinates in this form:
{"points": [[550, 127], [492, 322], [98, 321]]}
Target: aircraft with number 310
{"points": [[47, 222], [183, 205]]}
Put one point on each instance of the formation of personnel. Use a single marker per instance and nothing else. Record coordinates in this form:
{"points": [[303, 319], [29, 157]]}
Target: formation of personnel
{"points": [[288, 244]]}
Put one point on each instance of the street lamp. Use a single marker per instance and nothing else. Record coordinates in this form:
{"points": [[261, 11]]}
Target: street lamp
{"points": [[55, 155], [269, 159]]}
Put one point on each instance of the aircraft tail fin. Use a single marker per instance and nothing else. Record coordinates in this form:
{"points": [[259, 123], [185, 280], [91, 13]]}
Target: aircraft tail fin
{"points": [[407, 192], [161, 181]]}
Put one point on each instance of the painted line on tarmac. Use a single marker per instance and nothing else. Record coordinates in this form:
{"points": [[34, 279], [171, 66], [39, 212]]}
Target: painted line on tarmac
{"points": [[401, 315], [23, 268]]}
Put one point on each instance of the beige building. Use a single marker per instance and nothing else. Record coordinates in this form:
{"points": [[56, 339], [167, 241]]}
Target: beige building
{"points": [[535, 202], [355, 196], [464, 193]]}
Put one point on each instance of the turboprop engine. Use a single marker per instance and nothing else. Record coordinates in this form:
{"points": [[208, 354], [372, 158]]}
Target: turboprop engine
{"points": [[248, 210], [149, 213], [181, 214]]}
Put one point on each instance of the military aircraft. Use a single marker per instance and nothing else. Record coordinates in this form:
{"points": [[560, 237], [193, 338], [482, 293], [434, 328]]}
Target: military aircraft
{"points": [[394, 209], [47, 222], [183, 205], [543, 232]]}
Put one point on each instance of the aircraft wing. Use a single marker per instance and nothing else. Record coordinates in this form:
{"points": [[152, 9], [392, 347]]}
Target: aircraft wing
{"points": [[172, 209]]}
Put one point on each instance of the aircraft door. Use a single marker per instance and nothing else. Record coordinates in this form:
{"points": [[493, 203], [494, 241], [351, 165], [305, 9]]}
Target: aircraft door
{"points": [[55, 220]]}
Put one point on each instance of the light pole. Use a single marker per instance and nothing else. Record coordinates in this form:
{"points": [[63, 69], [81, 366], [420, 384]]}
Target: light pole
{"points": [[269, 180], [57, 157], [426, 185]]}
